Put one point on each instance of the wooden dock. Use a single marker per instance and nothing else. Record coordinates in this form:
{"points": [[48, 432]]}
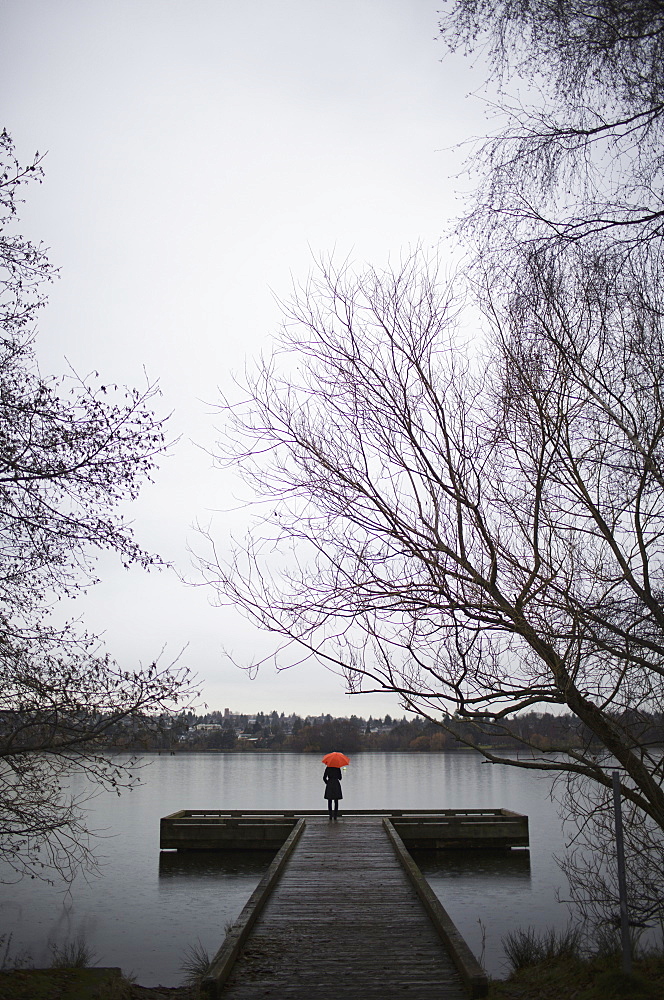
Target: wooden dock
{"points": [[248, 830], [343, 912]]}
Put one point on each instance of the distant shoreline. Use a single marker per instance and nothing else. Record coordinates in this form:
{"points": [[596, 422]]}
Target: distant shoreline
{"points": [[524, 752]]}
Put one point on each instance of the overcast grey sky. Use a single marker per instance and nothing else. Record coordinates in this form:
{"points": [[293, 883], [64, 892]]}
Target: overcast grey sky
{"points": [[199, 152]]}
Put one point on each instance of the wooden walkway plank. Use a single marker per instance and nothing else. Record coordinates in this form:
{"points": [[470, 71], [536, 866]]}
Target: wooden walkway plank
{"points": [[343, 921]]}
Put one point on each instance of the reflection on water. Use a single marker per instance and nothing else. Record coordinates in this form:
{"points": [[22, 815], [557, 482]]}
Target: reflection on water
{"points": [[489, 893], [148, 908], [202, 866], [507, 867]]}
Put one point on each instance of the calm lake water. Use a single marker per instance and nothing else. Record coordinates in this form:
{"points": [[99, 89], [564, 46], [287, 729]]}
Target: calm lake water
{"points": [[147, 908]]}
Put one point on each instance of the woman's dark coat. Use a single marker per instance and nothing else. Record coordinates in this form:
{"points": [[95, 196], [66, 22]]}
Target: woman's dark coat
{"points": [[332, 779]]}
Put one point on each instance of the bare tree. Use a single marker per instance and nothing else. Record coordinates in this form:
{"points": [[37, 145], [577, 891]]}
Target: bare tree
{"points": [[478, 530], [566, 229], [578, 157], [71, 450], [62, 708], [589, 863]]}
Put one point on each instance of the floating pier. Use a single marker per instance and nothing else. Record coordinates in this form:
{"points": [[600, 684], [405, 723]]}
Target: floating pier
{"points": [[343, 911]]}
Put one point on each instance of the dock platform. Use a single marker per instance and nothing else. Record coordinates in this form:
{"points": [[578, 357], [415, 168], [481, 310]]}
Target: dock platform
{"points": [[248, 830]]}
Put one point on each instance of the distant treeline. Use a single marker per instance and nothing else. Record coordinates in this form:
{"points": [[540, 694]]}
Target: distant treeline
{"points": [[274, 731]]}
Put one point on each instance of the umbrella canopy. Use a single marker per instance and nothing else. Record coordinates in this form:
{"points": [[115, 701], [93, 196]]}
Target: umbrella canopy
{"points": [[336, 759]]}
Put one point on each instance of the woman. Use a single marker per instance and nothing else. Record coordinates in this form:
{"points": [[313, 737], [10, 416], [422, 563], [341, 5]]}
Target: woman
{"points": [[332, 779]]}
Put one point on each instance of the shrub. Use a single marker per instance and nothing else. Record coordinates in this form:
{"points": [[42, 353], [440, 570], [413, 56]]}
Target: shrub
{"points": [[75, 954], [528, 947]]}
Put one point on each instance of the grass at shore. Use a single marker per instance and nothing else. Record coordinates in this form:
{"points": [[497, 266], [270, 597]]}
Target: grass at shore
{"points": [[63, 984], [553, 979], [598, 978]]}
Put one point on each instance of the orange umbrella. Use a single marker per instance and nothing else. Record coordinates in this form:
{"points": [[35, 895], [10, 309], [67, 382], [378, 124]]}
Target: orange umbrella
{"points": [[336, 759]]}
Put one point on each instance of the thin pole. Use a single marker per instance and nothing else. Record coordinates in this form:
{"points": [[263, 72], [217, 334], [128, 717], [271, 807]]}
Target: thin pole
{"points": [[622, 882]]}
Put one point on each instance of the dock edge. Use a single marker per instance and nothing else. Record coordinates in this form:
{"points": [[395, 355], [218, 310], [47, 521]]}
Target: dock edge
{"points": [[223, 962], [473, 975]]}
